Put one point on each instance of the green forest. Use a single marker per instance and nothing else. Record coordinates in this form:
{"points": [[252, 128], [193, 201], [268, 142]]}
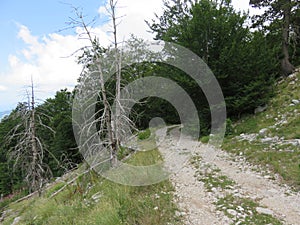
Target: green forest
{"points": [[247, 55]]}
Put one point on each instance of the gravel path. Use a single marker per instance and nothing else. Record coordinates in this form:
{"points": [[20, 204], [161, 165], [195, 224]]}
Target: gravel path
{"points": [[198, 206]]}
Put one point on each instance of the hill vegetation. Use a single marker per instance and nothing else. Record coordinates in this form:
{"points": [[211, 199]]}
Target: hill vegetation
{"points": [[91, 199], [272, 138]]}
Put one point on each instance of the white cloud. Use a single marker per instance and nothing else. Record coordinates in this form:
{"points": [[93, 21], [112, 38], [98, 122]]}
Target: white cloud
{"points": [[34, 46], [44, 61], [243, 5], [13, 60], [47, 60], [132, 15], [3, 88], [26, 36]]}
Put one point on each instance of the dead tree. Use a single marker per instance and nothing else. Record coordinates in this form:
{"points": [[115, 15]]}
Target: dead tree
{"points": [[28, 152], [111, 117], [118, 60]]}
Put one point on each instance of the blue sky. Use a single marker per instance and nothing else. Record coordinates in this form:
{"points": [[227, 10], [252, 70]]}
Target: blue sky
{"points": [[42, 17], [32, 46]]}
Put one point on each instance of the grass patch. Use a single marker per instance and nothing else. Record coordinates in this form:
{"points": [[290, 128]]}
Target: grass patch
{"points": [[95, 200], [145, 158], [281, 119], [146, 140], [144, 134], [54, 188], [246, 211], [291, 130], [210, 176], [5, 202], [281, 159], [213, 181]]}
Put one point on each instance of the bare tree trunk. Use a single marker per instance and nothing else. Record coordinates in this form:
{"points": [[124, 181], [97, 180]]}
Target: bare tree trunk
{"points": [[118, 79], [34, 163], [286, 67]]}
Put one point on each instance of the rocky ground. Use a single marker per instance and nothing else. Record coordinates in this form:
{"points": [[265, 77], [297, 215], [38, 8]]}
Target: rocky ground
{"points": [[224, 189]]}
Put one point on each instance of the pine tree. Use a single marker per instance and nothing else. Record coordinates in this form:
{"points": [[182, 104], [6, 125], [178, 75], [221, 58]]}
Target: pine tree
{"points": [[282, 12]]}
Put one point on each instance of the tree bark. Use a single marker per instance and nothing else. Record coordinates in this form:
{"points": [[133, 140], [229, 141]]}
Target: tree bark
{"points": [[118, 80], [286, 66], [34, 163]]}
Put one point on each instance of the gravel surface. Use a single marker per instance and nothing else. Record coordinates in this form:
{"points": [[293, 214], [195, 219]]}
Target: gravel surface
{"points": [[197, 205]]}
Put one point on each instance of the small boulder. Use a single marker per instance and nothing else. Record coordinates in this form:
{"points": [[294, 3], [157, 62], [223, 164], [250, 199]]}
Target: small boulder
{"points": [[240, 208], [260, 109], [263, 131], [267, 140], [295, 142], [295, 102], [267, 177], [264, 211], [16, 221], [232, 212]]}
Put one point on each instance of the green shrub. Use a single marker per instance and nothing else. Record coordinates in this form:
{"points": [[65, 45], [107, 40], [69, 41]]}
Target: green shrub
{"points": [[229, 127], [204, 139], [144, 134]]}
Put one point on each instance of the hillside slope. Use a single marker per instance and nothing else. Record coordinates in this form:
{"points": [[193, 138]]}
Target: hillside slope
{"points": [[84, 197], [256, 179], [272, 138]]}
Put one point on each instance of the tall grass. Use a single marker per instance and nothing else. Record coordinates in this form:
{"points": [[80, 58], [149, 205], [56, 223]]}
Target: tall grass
{"points": [[95, 200]]}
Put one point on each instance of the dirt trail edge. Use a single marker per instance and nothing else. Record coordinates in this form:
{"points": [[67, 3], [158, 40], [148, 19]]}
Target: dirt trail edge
{"points": [[197, 205]]}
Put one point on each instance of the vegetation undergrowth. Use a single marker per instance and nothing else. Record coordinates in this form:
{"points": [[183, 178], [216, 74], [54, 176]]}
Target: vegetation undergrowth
{"points": [[95, 200]]}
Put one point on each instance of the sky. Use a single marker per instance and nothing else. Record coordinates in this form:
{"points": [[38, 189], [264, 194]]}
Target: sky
{"points": [[35, 44]]}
